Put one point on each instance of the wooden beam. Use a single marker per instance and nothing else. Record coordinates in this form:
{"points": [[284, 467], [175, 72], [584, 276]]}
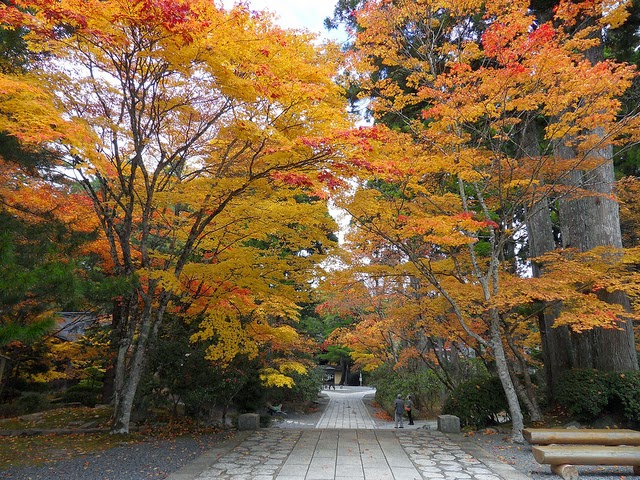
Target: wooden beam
{"points": [[587, 455], [567, 472], [594, 436]]}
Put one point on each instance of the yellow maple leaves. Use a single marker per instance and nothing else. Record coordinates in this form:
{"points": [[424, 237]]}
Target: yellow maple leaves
{"points": [[204, 140], [446, 191]]}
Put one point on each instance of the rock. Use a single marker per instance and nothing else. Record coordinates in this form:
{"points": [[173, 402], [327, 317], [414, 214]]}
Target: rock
{"points": [[448, 424], [573, 424], [606, 421], [249, 421]]}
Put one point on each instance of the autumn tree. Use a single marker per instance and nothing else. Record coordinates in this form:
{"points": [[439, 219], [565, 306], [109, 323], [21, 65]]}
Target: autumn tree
{"points": [[47, 258], [588, 218], [453, 194], [397, 322], [195, 132]]}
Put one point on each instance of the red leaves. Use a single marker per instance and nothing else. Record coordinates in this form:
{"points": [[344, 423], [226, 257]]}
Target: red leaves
{"points": [[492, 224], [57, 15], [172, 12], [302, 180], [361, 163], [542, 35], [313, 142], [513, 43], [468, 217], [293, 179], [330, 180]]}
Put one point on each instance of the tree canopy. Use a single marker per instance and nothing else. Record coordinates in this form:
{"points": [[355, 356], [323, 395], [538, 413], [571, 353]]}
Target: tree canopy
{"points": [[200, 138]]}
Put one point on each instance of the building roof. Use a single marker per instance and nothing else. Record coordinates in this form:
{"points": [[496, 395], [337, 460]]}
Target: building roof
{"points": [[72, 325]]}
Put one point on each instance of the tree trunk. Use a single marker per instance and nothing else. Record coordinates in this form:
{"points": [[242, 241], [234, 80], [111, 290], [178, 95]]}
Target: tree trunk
{"points": [[557, 349], [586, 222], [526, 393], [502, 368], [132, 356], [344, 369], [528, 400], [128, 386]]}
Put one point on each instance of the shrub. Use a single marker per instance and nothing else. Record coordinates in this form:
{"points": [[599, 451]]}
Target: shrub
{"points": [[87, 395], [31, 402], [199, 399], [625, 391], [304, 391], [265, 421], [422, 384], [8, 410], [478, 402], [583, 392], [251, 396]]}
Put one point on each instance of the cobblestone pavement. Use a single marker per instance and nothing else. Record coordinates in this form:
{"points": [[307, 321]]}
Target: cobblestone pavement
{"points": [[347, 443]]}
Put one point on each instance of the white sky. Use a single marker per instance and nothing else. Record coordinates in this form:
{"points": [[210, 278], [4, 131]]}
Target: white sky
{"points": [[307, 14]]}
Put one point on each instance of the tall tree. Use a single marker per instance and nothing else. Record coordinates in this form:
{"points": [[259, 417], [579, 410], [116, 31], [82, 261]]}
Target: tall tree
{"points": [[588, 217], [195, 129], [450, 194], [562, 349]]}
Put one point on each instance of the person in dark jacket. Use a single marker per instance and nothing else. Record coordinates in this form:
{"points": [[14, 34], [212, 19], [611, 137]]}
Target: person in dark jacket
{"points": [[408, 406], [398, 408]]}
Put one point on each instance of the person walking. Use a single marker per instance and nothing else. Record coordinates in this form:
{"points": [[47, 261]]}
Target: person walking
{"points": [[408, 407], [398, 407]]}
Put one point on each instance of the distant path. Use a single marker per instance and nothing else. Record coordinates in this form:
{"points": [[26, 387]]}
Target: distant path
{"points": [[346, 409]]}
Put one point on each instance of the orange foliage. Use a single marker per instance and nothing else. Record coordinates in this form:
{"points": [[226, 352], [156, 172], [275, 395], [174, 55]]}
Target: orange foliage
{"points": [[202, 138], [443, 197]]}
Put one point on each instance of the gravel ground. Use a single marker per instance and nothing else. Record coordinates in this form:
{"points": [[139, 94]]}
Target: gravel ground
{"points": [[153, 459]]}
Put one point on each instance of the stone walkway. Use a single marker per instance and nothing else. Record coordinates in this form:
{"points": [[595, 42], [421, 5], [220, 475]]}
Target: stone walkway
{"points": [[346, 443], [346, 410]]}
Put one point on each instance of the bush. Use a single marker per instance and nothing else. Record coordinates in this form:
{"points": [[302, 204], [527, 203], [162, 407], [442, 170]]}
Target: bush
{"points": [[625, 391], [251, 397], [87, 395], [8, 410], [198, 400], [304, 392], [584, 393], [478, 403], [265, 421], [422, 384], [31, 402]]}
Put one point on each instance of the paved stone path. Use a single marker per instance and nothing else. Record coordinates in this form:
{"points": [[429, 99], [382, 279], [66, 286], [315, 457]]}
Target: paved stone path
{"points": [[346, 443], [346, 410]]}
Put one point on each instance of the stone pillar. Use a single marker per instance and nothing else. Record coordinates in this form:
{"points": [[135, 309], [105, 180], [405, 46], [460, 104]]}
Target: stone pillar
{"points": [[249, 421], [448, 424]]}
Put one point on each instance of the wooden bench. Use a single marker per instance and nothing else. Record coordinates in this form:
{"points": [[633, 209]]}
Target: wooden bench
{"points": [[562, 448]]}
